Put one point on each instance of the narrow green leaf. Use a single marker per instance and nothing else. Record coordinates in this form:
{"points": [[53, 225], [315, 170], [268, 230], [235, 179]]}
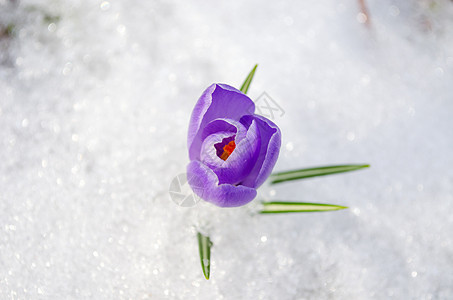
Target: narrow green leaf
{"points": [[312, 172], [277, 207], [204, 247], [248, 80]]}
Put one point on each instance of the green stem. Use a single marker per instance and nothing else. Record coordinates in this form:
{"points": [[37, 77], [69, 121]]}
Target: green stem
{"points": [[204, 247]]}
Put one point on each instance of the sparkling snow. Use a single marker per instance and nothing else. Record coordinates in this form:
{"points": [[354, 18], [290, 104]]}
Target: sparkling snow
{"points": [[95, 98]]}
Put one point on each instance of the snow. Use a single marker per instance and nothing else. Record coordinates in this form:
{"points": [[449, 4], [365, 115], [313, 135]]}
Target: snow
{"points": [[95, 98]]}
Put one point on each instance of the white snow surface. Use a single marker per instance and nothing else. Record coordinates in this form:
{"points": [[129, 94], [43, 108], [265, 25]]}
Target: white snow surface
{"points": [[95, 99]]}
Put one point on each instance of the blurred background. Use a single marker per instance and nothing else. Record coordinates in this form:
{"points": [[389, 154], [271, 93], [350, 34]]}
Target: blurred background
{"points": [[95, 99]]}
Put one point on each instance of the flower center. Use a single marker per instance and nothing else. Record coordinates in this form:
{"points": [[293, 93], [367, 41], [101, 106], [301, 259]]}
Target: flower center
{"points": [[227, 150]]}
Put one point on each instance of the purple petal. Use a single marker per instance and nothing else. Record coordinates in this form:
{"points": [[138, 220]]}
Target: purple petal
{"points": [[206, 185], [217, 101], [238, 165], [269, 150], [225, 125]]}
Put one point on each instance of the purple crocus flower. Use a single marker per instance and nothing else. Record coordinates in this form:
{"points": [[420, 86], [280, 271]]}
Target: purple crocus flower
{"points": [[232, 151]]}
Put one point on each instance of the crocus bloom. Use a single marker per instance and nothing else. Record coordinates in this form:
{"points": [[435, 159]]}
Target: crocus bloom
{"points": [[232, 150]]}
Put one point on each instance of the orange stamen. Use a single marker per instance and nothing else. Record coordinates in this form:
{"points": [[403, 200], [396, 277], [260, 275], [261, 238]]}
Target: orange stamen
{"points": [[227, 150]]}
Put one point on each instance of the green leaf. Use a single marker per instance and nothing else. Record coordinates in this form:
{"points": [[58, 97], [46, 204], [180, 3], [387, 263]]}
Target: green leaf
{"points": [[248, 80], [277, 207], [204, 247], [312, 172]]}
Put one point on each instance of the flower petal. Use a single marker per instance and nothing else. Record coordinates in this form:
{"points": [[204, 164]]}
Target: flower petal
{"points": [[224, 125], [204, 183], [269, 150], [217, 101]]}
